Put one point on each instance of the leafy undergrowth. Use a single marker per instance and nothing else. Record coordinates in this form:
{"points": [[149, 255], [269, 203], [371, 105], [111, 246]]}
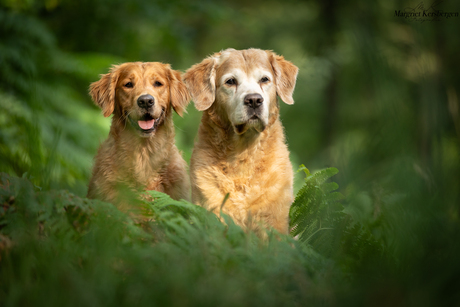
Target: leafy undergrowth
{"points": [[57, 249]]}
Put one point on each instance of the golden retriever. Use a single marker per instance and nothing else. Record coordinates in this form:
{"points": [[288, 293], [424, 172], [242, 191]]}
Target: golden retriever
{"points": [[240, 148], [140, 152]]}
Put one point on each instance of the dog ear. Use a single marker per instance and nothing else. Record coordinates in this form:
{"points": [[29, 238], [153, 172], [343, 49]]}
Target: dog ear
{"points": [[285, 76], [200, 80], [180, 96], [103, 91]]}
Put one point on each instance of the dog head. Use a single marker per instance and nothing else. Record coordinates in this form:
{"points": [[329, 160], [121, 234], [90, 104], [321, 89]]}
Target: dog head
{"points": [[244, 84], [140, 95]]}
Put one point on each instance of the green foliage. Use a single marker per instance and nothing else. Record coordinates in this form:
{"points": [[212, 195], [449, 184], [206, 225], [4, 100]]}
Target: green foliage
{"points": [[313, 209], [59, 249], [49, 128], [319, 220], [376, 97]]}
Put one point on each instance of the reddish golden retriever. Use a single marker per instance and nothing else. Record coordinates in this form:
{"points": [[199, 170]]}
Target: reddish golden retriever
{"points": [[140, 152], [240, 148]]}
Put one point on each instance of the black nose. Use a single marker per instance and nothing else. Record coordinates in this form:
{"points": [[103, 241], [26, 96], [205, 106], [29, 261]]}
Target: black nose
{"points": [[145, 101], [253, 100]]}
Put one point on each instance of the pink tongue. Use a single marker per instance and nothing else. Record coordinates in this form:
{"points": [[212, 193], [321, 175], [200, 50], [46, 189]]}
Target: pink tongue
{"points": [[146, 124]]}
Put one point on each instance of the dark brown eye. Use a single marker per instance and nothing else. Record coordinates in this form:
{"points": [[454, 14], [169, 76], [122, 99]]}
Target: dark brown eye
{"points": [[231, 81], [157, 84], [264, 80], [129, 85]]}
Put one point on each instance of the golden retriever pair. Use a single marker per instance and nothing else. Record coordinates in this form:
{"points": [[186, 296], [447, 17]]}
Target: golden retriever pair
{"points": [[240, 149]]}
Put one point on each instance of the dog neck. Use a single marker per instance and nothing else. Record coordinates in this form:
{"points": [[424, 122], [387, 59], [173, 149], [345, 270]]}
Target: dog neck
{"points": [[217, 129], [148, 156]]}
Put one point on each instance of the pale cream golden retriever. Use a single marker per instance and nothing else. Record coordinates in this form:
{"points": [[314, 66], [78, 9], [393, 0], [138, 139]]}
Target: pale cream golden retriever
{"points": [[140, 152], [240, 148]]}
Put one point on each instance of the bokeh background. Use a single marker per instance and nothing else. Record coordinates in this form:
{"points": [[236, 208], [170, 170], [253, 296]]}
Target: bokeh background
{"points": [[377, 97], [375, 92]]}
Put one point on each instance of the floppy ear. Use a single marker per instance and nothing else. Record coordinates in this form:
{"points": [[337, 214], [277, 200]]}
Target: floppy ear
{"points": [[103, 91], [285, 76], [180, 96], [200, 80]]}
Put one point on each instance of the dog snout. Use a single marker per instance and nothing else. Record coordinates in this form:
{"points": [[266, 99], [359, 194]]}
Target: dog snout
{"points": [[145, 101], [253, 100]]}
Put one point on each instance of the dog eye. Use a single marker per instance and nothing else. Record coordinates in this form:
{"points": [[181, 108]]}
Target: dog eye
{"points": [[129, 85], [264, 80], [158, 84], [231, 81]]}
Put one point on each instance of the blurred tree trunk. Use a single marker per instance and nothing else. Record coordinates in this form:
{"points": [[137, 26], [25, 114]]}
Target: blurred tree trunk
{"points": [[330, 113], [445, 107], [432, 102], [327, 43]]}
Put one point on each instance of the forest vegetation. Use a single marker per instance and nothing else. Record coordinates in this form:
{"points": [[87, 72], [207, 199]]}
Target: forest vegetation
{"points": [[374, 132]]}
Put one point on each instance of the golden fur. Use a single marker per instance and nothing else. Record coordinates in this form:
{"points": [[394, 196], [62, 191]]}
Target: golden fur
{"points": [[132, 158], [238, 154]]}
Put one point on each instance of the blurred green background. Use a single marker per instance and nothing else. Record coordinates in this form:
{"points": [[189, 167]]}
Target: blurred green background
{"points": [[377, 97], [375, 92]]}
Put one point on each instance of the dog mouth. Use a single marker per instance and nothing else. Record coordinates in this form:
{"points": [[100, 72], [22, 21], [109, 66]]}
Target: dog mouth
{"points": [[147, 124], [253, 122]]}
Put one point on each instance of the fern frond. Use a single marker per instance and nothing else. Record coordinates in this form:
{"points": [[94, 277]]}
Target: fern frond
{"points": [[318, 219], [312, 212]]}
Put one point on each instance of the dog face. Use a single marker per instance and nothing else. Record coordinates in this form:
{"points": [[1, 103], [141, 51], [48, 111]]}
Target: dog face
{"points": [[140, 95], [244, 84]]}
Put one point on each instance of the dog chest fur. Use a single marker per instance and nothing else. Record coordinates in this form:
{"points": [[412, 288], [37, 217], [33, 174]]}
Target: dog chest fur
{"points": [[240, 148], [257, 174]]}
